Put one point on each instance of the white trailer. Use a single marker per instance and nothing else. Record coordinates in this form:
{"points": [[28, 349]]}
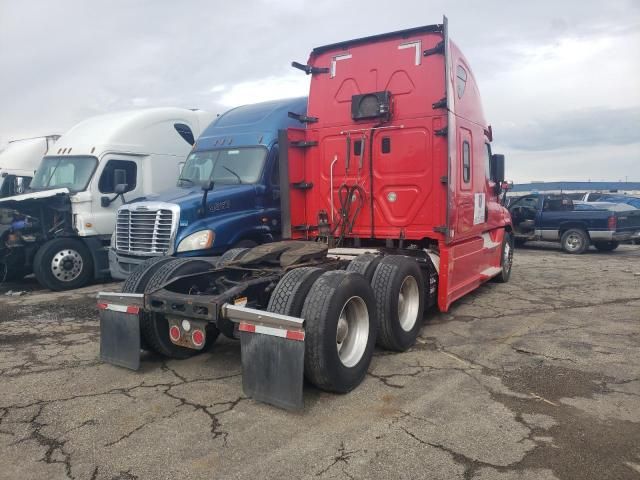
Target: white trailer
{"points": [[19, 161], [62, 227]]}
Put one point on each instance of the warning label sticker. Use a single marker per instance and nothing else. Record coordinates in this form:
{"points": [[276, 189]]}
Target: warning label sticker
{"points": [[479, 209]]}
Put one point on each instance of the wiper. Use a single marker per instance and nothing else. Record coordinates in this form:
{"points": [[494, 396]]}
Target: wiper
{"points": [[52, 172], [233, 173], [186, 180]]}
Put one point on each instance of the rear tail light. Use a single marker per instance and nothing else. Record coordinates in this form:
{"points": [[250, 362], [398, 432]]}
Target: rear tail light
{"points": [[197, 337], [612, 223], [174, 333]]}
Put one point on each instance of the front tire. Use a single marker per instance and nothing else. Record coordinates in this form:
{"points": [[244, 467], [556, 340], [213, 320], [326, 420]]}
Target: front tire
{"points": [[340, 331], [63, 264], [398, 285], [506, 259], [575, 241]]}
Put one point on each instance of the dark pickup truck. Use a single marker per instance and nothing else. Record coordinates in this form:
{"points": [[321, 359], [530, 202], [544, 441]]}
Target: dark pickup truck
{"points": [[553, 217]]}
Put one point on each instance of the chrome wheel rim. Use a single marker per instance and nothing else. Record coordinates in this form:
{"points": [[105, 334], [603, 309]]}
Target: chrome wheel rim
{"points": [[574, 242], [352, 332], [507, 258], [66, 265], [408, 303]]}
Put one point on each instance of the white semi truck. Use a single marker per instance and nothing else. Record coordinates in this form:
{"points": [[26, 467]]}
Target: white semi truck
{"points": [[18, 163], [61, 228]]}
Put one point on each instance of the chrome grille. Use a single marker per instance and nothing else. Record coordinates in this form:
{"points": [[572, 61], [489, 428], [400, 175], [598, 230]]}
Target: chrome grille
{"points": [[145, 230]]}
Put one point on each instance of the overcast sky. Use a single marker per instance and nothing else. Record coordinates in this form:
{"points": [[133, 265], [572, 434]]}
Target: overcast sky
{"points": [[560, 80]]}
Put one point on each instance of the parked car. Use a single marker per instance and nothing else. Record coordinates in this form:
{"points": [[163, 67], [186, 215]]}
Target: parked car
{"points": [[611, 197], [555, 218], [615, 207]]}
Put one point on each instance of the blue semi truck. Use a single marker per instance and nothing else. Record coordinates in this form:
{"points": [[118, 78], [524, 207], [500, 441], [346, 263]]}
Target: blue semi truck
{"points": [[227, 194]]}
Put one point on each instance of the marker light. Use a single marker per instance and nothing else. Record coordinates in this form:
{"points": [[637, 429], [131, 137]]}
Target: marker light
{"points": [[197, 337], [174, 333]]}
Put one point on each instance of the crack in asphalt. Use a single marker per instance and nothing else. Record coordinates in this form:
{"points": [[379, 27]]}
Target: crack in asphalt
{"points": [[56, 447], [213, 417], [52, 444], [470, 465], [538, 354], [342, 456]]}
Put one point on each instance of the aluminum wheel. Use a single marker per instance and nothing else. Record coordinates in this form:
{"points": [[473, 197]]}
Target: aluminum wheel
{"points": [[66, 265], [408, 303], [574, 242], [507, 257], [352, 333]]}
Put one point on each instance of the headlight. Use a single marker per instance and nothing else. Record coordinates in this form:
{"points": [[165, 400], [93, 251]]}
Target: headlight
{"points": [[197, 241]]}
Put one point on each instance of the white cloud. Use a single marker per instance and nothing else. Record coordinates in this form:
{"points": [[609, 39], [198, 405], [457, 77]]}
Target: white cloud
{"points": [[264, 89]]}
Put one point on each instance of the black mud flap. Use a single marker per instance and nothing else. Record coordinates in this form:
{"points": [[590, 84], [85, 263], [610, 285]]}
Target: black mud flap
{"points": [[273, 369], [119, 333]]}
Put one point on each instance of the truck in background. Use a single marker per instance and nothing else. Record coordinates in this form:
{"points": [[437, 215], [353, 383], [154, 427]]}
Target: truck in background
{"points": [[555, 218], [60, 229], [390, 204], [227, 196], [19, 161], [612, 198]]}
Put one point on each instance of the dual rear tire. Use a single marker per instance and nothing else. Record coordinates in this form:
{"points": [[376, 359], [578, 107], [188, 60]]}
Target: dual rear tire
{"points": [[154, 327], [376, 299]]}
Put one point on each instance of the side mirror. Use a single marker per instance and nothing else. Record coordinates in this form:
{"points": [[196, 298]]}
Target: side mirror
{"points": [[497, 168], [120, 189]]}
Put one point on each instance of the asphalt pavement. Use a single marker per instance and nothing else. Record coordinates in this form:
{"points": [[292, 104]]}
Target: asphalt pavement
{"points": [[535, 379]]}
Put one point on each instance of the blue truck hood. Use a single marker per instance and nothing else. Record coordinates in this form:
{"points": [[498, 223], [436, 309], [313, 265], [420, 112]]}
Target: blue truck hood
{"points": [[223, 201], [190, 199]]}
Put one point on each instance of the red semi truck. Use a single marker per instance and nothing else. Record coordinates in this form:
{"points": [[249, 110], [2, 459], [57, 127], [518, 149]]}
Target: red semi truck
{"points": [[391, 204]]}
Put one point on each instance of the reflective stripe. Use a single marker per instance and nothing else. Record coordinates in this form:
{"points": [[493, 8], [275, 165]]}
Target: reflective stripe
{"points": [[274, 332], [118, 308]]}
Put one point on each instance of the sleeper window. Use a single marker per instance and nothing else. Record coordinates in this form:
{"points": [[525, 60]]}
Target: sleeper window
{"points": [[466, 162], [461, 80]]}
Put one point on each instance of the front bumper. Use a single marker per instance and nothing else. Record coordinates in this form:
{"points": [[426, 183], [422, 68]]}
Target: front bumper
{"points": [[121, 266]]}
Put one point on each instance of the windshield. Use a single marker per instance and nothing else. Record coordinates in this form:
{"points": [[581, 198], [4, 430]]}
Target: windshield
{"points": [[226, 167], [73, 173]]}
